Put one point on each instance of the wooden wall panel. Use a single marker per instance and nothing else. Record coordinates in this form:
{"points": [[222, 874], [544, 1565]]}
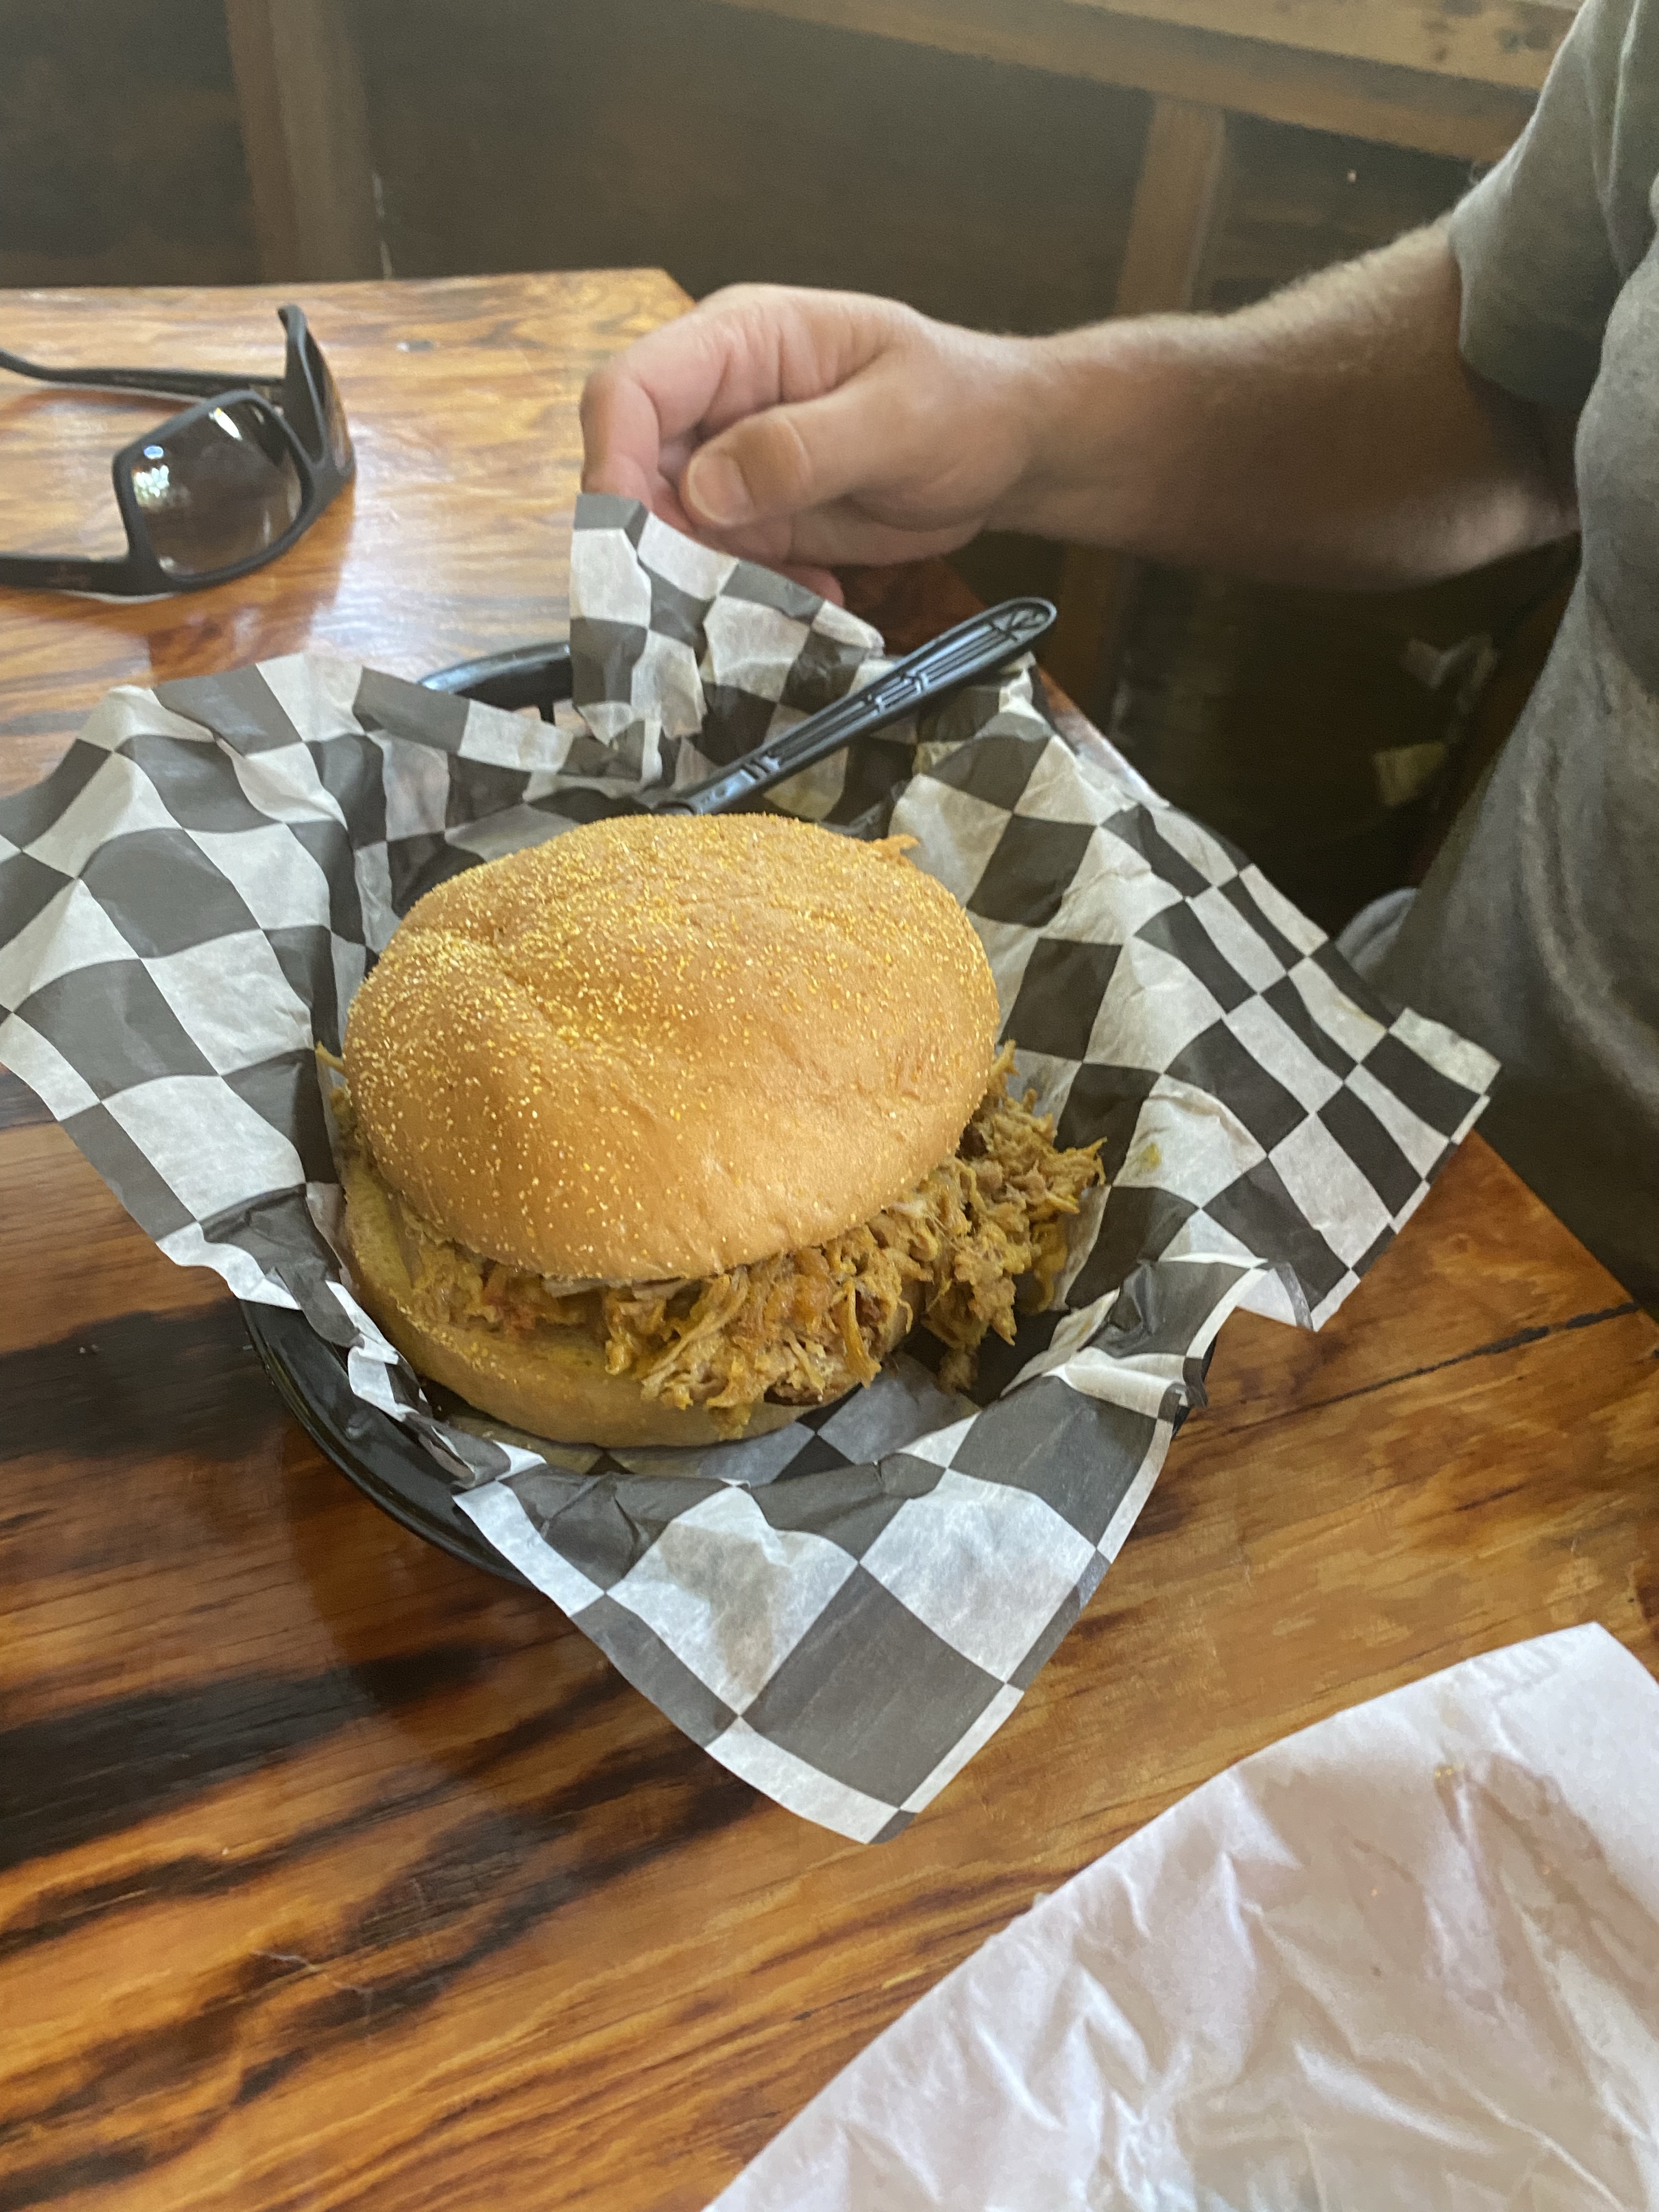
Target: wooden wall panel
{"points": [[120, 149], [721, 145], [1179, 205], [1228, 63], [305, 134], [1496, 41]]}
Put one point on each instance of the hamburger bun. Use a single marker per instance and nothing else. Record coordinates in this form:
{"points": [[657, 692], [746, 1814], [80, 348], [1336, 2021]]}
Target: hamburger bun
{"points": [[663, 1048], [553, 1383], [649, 1051]]}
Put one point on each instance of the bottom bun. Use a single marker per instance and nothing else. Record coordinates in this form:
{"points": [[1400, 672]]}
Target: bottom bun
{"points": [[554, 1383]]}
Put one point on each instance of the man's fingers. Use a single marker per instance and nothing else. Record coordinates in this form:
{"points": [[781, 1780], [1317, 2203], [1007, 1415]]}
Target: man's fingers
{"points": [[715, 486], [622, 474], [621, 442], [757, 405], [836, 536], [649, 401], [800, 429], [821, 580], [859, 439], [732, 356]]}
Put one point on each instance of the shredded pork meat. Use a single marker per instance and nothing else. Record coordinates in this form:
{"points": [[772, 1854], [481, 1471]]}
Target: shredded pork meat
{"points": [[983, 1234]]}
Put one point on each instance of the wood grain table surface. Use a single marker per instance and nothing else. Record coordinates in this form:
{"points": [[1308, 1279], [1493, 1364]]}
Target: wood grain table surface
{"points": [[335, 1872]]}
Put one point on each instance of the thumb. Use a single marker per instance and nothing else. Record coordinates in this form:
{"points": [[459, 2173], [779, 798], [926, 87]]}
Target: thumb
{"points": [[777, 463]]}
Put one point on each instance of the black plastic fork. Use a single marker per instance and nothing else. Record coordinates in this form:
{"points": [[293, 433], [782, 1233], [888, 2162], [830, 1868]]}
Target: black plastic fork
{"points": [[540, 675]]}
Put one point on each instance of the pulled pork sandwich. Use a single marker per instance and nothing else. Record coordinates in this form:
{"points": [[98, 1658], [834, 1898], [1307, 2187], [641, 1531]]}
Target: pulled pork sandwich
{"points": [[665, 1129]]}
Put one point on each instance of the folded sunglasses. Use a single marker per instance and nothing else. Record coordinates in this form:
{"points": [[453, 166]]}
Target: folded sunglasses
{"points": [[221, 489]]}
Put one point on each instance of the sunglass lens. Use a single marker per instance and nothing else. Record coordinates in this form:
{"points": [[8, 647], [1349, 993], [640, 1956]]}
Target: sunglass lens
{"points": [[334, 420], [217, 489]]}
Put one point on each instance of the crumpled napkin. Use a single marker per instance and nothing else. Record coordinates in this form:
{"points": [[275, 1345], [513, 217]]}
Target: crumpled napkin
{"points": [[1408, 1958]]}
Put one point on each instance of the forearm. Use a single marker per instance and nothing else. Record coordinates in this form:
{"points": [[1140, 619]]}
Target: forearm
{"points": [[1331, 435]]}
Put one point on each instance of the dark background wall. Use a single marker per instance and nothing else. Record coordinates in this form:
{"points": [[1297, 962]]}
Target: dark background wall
{"points": [[514, 134], [121, 149], [723, 145]]}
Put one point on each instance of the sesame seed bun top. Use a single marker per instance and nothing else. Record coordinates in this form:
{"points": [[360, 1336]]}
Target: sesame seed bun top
{"points": [[650, 1049]]}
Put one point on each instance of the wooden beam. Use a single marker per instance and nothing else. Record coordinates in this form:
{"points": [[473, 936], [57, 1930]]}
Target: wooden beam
{"points": [[1182, 181], [305, 133], [1174, 211], [1395, 107], [1497, 42]]}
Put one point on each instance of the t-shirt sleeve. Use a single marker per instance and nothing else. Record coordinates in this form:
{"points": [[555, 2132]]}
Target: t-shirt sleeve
{"points": [[1546, 239]]}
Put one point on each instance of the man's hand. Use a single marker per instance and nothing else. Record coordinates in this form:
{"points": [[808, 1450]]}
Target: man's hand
{"points": [[806, 429], [1331, 435]]}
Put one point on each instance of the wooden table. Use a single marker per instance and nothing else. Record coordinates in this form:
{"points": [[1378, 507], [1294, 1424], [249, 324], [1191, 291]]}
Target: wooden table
{"points": [[336, 1873]]}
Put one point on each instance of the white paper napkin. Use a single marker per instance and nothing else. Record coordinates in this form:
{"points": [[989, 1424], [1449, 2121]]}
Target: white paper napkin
{"points": [[1408, 1958]]}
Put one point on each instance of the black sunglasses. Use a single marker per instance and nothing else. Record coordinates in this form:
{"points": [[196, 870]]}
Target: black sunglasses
{"points": [[221, 489]]}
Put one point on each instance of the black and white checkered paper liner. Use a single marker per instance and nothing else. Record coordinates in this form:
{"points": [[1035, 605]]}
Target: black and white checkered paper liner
{"points": [[844, 1611]]}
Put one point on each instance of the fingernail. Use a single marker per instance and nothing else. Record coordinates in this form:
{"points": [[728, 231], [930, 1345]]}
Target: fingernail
{"points": [[714, 486]]}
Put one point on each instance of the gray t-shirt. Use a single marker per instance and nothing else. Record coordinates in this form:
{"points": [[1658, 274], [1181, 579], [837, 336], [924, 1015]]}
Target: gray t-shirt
{"points": [[1537, 931]]}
